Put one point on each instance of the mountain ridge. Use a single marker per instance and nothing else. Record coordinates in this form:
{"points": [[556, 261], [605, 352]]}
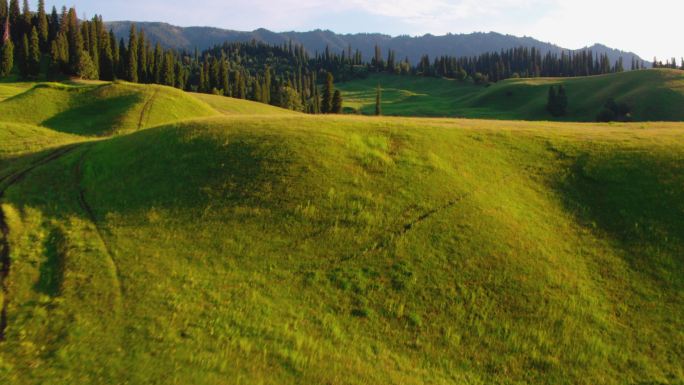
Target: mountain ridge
{"points": [[412, 47]]}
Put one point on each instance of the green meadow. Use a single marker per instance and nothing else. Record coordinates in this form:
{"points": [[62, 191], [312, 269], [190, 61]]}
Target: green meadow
{"points": [[653, 95], [174, 238]]}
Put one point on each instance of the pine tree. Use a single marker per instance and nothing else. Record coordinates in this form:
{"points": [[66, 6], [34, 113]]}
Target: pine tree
{"points": [[7, 59], [24, 54], [168, 70], [14, 17], [157, 63], [53, 24], [378, 101], [328, 93], [132, 57], [34, 53], [75, 40], [336, 102], [26, 18], [3, 11], [122, 67], [43, 26], [107, 63], [142, 58]]}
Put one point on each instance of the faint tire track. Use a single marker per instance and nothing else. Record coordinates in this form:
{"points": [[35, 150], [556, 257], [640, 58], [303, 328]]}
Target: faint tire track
{"points": [[90, 213], [385, 238], [145, 113], [5, 258]]}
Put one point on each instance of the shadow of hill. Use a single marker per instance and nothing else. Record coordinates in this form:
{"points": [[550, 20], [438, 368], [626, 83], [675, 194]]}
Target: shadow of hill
{"points": [[94, 118], [638, 200]]}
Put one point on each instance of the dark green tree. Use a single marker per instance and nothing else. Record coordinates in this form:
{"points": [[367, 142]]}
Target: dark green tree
{"points": [[26, 18], [132, 56], [7, 59], [168, 70], [24, 54], [34, 53], [14, 18], [328, 92], [86, 68], [336, 102], [43, 26], [3, 11], [106, 56], [75, 40], [142, 58]]}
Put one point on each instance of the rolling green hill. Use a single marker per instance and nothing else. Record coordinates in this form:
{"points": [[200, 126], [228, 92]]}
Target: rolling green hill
{"points": [[242, 244], [101, 109], [654, 95]]}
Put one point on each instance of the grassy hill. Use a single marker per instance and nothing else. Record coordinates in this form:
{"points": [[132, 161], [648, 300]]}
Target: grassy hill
{"points": [[654, 95], [253, 245], [101, 109]]}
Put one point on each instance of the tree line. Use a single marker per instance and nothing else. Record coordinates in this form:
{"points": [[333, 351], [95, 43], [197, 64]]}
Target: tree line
{"points": [[58, 44]]}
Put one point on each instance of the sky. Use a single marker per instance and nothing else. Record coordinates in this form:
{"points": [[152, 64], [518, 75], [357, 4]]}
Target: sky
{"points": [[648, 27]]}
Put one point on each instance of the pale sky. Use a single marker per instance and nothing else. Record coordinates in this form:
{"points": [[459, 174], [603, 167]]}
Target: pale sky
{"points": [[647, 27]]}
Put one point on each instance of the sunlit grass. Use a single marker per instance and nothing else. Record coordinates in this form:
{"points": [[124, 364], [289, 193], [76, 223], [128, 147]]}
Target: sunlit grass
{"points": [[268, 247]]}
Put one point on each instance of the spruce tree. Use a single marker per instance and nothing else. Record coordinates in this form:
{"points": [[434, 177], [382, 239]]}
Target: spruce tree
{"points": [[26, 18], [53, 24], [43, 26], [132, 57], [168, 70], [34, 53], [328, 92], [142, 58], [7, 59], [122, 67], [157, 63], [106, 57], [337, 102], [14, 17], [24, 54], [3, 11], [75, 41], [378, 101]]}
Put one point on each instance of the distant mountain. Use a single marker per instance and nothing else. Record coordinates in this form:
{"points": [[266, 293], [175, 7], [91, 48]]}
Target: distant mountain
{"points": [[316, 41]]}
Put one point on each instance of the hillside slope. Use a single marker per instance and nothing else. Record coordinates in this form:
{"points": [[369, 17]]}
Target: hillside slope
{"points": [[100, 110], [653, 95], [289, 249]]}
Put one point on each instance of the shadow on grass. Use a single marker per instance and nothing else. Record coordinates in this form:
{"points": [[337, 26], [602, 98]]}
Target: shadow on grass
{"points": [[96, 117], [637, 199]]}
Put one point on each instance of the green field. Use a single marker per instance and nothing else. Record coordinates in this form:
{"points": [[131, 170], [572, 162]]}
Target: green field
{"points": [[653, 95], [173, 238]]}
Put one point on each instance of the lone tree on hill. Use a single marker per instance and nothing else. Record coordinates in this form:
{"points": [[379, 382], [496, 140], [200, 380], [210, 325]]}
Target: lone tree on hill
{"points": [[337, 102], [328, 93], [378, 101]]}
